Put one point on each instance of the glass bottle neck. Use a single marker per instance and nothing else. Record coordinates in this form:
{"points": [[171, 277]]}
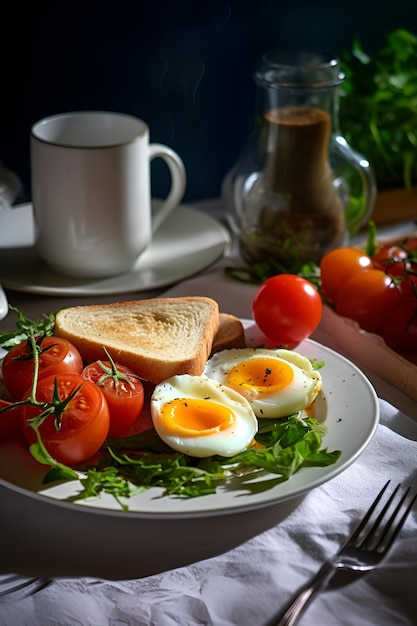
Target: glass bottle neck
{"points": [[272, 100], [299, 79]]}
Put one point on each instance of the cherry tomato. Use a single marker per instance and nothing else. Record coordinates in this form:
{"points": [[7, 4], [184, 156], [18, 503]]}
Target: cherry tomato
{"points": [[57, 356], [410, 243], [368, 298], [408, 285], [398, 269], [338, 265], [400, 329], [388, 256], [84, 423], [397, 258], [287, 309], [122, 390], [10, 421]]}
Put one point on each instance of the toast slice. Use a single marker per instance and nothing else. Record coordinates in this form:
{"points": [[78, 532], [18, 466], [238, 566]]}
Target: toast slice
{"points": [[156, 338], [231, 334]]}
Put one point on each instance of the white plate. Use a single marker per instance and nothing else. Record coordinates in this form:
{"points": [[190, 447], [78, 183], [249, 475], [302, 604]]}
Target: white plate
{"points": [[187, 242], [349, 407]]}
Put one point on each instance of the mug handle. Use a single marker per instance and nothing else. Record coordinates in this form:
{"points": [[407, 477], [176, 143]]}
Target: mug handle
{"points": [[178, 182]]}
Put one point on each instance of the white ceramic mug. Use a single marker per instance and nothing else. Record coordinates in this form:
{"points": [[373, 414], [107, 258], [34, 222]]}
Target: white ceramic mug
{"points": [[91, 191]]}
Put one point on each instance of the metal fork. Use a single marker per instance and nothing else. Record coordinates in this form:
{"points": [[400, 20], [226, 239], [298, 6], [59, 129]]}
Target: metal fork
{"points": [[362, 552]]}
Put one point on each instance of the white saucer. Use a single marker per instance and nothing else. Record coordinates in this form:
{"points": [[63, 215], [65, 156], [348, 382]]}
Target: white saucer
{"points": [[186, 243]]}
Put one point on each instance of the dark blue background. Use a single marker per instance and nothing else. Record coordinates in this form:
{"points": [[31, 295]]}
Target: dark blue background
{"points": [[184, 66]]}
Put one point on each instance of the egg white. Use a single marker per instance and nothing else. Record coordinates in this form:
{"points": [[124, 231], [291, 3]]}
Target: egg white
{"points": [[204, 442], [290, 398]]}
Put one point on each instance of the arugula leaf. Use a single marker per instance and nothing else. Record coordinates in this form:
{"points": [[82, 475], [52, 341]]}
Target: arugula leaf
{"points": [[316, 364], [108, 481], [26, 328], [287, 445], [57, 471]]}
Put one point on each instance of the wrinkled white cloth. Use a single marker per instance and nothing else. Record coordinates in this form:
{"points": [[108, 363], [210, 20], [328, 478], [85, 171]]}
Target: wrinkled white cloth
{"points": [[247, 585]]}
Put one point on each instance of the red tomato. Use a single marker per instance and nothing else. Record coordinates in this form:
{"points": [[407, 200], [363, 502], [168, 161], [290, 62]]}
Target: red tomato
{"points": [[398, 269], [123, 392], [287, 309], [397, 258], [388, 256], [57, 356], [410, 243], [368, 298], [84, 424], [408, 285], [338, 265], [10, 421], [400, 329]]}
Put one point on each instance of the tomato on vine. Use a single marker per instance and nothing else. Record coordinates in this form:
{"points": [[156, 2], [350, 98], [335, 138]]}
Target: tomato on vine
{"points": [[408, 285], [10, 421], [388, 256], [338, 265], [123, 391], [55, 356], [71, 415], [368, 298], [400, 328]]}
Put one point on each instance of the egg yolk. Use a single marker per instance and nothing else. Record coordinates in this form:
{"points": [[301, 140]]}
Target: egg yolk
{"points": [[261, 375], [195, 417]]}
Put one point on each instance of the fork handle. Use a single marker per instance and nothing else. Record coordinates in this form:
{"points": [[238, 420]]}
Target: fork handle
{"points": [[306, 594]]}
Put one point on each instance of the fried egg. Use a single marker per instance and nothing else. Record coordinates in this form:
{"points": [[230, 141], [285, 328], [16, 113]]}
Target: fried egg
{"points": [[200, 417], [277, 383]]}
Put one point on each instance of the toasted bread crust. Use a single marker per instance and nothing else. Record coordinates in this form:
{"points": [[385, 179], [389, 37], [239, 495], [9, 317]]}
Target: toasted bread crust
{"points": [[156, 338], [231, 334]]}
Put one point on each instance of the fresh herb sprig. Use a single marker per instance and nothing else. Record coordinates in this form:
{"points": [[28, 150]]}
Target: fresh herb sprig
{"points": [[378, 107], [26, 328], [257, 273]]}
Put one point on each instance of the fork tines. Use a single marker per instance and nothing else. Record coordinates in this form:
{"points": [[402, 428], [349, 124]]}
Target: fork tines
{"points": [[396, 509]]}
